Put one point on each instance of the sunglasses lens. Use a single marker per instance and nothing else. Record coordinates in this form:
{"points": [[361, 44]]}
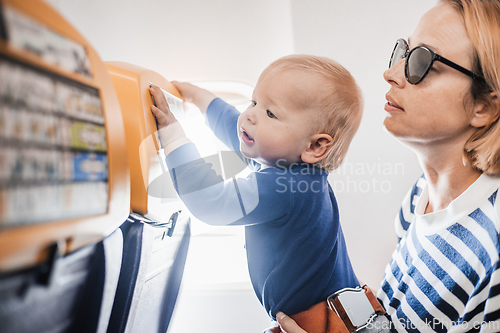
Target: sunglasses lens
{"points": [[419, 62], [398, 53]]}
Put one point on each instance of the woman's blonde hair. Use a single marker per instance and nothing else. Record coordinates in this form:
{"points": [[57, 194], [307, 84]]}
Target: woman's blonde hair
{"points": [[337, 97], [482, 22]]}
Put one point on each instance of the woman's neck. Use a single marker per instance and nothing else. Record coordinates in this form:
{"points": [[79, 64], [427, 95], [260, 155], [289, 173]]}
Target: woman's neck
{"points": [[448, 175]]}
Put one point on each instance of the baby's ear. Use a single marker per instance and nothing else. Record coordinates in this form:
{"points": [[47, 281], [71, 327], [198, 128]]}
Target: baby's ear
{"points": [[320, 145]]}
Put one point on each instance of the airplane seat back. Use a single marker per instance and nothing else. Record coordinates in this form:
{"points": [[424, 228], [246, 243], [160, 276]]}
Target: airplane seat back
{"points": [[73, 293], [175, 279], [100, 290], [64, 176], [157, 234], [152, 268], [128, 275]]}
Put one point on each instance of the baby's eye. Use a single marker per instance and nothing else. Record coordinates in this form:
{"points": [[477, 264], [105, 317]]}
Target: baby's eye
{"points": [[270, 114], [253, 103]]}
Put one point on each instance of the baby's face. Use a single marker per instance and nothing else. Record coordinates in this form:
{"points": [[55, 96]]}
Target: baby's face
{"points": [[279, 123]]}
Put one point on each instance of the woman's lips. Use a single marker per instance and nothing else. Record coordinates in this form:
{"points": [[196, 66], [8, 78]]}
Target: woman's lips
{"points": [[247, 139], [391, 105], [391, 108]]}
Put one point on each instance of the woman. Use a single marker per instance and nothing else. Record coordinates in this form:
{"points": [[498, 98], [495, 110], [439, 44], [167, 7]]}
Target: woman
{"points": [[445, 273]]}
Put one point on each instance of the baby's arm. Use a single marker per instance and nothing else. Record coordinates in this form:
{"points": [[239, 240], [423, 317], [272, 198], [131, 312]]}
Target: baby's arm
{"points": [[222, 117], [196, 95], [258, 198], [205, 193]]}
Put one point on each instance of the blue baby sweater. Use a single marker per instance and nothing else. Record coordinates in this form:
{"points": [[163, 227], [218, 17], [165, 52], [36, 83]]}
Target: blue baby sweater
{"points": [[295, 247]]}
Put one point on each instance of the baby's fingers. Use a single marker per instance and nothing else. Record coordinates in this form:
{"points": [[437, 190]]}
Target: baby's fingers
{"points": [[186, 89], [159, 98], [162, 118]]}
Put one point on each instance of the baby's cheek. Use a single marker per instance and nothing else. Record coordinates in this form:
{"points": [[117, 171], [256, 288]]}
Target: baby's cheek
{"points": [[240, 119]]}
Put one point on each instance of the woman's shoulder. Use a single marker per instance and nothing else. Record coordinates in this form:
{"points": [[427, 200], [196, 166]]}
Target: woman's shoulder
{"points": [[406, 213], [492, 199], [414, 194]]}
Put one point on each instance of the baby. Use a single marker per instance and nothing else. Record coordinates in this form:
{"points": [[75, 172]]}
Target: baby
{"points": [[303, 115]]}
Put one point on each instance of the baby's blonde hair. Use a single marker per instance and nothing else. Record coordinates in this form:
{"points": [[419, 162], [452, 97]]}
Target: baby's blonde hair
{"points": [[339, 99], [482, 22]]}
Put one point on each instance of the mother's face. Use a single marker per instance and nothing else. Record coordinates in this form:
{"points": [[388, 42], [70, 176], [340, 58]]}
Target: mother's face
{"points": [[433, 110]]}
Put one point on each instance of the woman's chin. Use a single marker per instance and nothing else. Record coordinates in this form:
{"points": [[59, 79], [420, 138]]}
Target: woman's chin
{"points": [[391, 127]]}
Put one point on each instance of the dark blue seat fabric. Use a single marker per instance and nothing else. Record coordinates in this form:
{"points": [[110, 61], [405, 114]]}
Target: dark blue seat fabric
{"points": [[152, 269]]}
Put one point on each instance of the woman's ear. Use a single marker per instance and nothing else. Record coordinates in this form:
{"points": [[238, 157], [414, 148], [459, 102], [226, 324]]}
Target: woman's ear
{"points": [[486, 113], [320, 145]]}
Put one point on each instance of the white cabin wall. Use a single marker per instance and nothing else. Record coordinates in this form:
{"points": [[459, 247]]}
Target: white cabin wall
{"points": [[188, 39]]}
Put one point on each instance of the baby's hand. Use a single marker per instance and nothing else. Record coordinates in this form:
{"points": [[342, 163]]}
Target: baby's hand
{"points": [[196, 95], [161, 111], [187, 90], [169, 129]]}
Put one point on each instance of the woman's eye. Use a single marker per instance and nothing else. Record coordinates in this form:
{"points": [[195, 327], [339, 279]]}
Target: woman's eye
{"points": [[433, 69], [253, 103], [270, 114]]}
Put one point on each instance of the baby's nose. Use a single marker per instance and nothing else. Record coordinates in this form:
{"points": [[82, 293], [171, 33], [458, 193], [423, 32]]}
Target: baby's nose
{"points": [[250, 115]]}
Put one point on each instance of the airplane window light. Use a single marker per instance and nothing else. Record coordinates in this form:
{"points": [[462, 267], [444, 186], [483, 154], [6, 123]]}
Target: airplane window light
{"points": [[217, 257]]}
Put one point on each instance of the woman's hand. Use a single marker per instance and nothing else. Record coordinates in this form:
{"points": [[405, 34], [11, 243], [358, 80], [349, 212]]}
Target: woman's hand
{"points": [[287, 324], [275, 329], [161, 111]]}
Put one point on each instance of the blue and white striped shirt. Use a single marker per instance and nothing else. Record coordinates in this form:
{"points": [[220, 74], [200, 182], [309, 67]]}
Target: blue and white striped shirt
{"points": [[444, 275]]}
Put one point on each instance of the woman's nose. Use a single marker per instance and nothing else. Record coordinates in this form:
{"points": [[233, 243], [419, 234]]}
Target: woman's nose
{"points": [[395, 75]]}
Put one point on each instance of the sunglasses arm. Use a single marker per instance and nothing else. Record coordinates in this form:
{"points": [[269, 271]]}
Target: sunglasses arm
{"points": [[457, 67]]}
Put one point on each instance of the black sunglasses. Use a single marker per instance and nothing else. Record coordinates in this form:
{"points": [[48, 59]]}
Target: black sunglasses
{"points": [[420, 60]]}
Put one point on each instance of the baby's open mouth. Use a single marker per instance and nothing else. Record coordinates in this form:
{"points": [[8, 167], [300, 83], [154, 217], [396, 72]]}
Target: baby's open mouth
{"points": [[247, 138]]}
